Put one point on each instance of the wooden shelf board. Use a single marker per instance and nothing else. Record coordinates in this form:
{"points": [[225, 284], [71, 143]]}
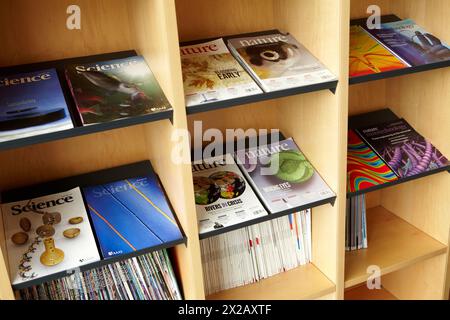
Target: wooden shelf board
{"points": [[363, 293], [394, 244], [303, 283]]}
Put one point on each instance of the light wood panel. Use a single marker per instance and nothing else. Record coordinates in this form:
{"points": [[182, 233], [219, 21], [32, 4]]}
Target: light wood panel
{"points": [[364, 293], [423, 100], [393, 245], [305, 282], [421, 281], [34, 32]]}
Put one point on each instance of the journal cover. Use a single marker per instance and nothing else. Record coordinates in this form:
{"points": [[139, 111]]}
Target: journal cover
{"points": [[404, 150], [32, 104], [364, 168], [222, 194], [368, 56], [282, 176], [412, 43], [277, 61], [47, 235], [145, 197], [211, 73], [116, 89], [130, 215]]}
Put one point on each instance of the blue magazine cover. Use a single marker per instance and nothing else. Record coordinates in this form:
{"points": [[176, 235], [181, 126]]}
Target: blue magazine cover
{"points": [[130, 215], [412, 43], [32, 104], [146, 199]]}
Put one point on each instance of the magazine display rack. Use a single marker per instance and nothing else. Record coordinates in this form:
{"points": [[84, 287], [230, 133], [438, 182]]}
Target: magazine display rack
{"points": [[408, 223]]}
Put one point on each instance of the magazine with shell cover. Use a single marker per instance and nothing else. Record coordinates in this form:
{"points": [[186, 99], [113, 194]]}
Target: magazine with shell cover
{"points": [[211, 74], [278, 61], [282, 176], [47, 235], [223, 197]]}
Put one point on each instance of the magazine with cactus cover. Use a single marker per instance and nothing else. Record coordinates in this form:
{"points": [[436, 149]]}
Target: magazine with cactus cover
{"points": [[211, 74], [31, 104], [47, 235], [223, 196], [116, 89], [278, 61], [402, 148], [282, 176]]}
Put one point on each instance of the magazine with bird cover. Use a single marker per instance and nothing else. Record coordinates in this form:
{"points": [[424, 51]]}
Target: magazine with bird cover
{"points": [[412, 43], [278, 61], [116, 89], [47, 235], [402, 148], [223, 197], [31, 104], [211, 73], [368, 56], [282, 176]]}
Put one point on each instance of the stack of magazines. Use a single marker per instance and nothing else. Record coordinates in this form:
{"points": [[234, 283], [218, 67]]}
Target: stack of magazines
{"points": [[147, 277], [256, 252], [356, 224]]}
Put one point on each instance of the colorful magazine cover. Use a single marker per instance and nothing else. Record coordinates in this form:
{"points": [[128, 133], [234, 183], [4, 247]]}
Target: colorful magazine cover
{"points": [[116, 89], [222, 195], [32, 104], [131, 215], [364, 168], [412, 43], [47, 235], [278, 61], [282, 176], [368, 56], [211, 73], [404, 150]]}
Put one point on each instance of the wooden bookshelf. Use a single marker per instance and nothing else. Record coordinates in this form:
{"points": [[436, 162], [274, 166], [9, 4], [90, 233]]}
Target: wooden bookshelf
{"points": [[305, 282], [394, 244], [409, 223]]}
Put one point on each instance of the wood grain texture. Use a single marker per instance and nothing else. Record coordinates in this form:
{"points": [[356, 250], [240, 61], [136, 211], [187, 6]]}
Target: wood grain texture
{"points": [[303, 283], [363, 293], [394, 244]]}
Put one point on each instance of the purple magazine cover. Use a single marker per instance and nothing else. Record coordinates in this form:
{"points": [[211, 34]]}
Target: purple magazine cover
{"points": [[411, 43], [404, 150], [282, 176]]}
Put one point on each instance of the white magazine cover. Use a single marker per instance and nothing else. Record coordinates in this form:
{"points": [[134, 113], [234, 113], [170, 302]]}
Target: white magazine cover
{"points": [[47, 235], [211, 73], [278, 61], [222, 194]]}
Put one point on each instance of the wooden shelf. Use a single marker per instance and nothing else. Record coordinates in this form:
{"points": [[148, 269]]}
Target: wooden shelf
{"points": [[78, 129], [303, 283], [394, 73], [393, 245], [363, 293], [104, 176]]}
